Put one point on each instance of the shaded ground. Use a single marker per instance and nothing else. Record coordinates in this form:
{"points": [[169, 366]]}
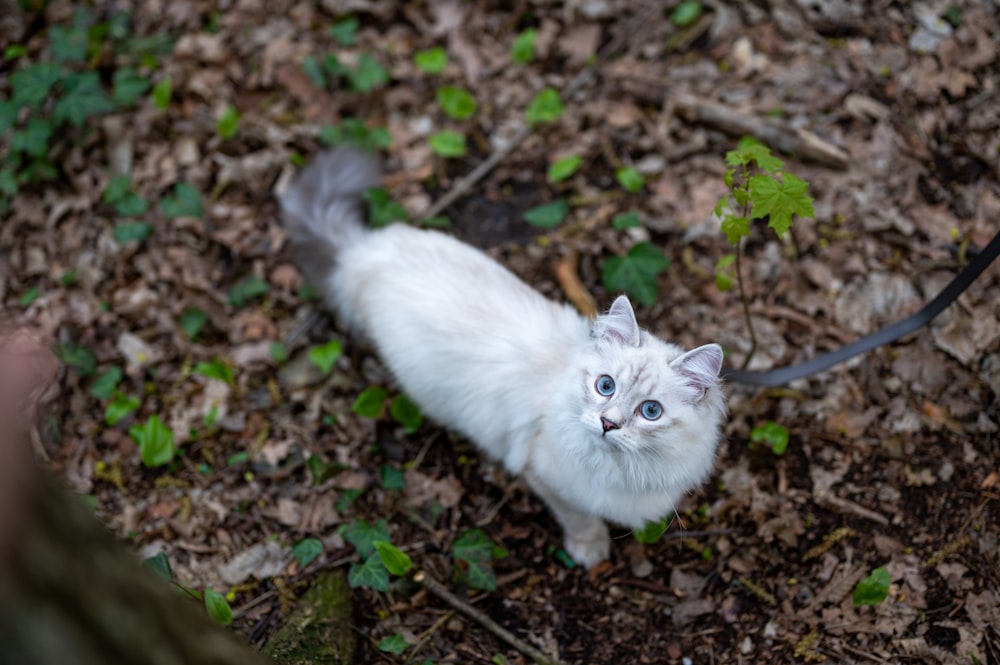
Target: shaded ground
{"points": [[893, 459]]}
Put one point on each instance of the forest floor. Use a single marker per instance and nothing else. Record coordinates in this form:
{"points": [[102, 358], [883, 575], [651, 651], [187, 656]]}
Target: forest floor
{"points": [[892, 459]]}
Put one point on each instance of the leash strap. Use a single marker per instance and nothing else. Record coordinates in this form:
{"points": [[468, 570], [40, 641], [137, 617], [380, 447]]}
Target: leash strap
{"points": [[948, 295]]}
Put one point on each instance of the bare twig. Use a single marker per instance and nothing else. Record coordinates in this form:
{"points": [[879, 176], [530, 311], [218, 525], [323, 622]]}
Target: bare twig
{"points": [[847, 506], [746, 306], [428, 634], [789, 140], [441, 592], [568, 278]]}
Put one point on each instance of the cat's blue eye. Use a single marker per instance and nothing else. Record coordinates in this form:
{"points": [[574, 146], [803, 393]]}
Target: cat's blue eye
{"points": [[650, 410], [605, 385]]}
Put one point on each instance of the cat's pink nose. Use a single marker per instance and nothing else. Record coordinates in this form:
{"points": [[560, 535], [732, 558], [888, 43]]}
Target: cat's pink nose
{"points": [[608, 425]]}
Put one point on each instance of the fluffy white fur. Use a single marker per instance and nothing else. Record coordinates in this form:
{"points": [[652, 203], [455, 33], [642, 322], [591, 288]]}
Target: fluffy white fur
{"points": [[486, 355]]}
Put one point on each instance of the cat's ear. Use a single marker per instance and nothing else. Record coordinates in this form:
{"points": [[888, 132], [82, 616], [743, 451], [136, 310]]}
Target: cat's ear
{"points": [[619, 324], [700, 367]]}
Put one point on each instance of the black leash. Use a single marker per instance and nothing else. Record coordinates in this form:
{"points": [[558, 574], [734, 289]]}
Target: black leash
{"points": [[948, 295]]}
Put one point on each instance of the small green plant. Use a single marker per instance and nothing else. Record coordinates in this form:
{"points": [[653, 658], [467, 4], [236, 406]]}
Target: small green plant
{"points": [[371, 403], [155, 441], [630, 179], [326, 355], [771, 434], [192, 321], [547, 106], [120, 406], [653, 531], [456, 102], [217, 369], [366, 76], [345, 31], [522, 51], [448, 143], [474, 552], [78, 357], [626, 220], [379, 556], [246, 290], [391, 478], [351, 131], [759, 188], [564, 168], [228, 123], [686, 13], [636, 272], [548, 216], [105, 385], [382, 210], [218, 607], [184, 202], [394, 644], [162, 92], [432, 61], [306, 551], [873, 589]]}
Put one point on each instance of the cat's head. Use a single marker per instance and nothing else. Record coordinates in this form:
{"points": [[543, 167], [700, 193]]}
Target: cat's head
{"points": [[651, 410]]}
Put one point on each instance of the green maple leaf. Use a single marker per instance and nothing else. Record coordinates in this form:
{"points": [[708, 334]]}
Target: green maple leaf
{"points": [[84, 97], [779, 200], [635, 273], [735, 227]]}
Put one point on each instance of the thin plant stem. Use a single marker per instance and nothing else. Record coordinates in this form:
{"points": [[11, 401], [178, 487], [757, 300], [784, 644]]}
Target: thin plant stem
{"points": [[746, 305]]}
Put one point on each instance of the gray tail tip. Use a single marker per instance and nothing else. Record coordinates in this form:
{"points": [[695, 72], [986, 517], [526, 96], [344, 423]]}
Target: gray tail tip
{"points": [[344, 172]]}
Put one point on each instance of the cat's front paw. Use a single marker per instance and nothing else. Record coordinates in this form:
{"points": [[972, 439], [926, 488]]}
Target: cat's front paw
{"points": [[590, 547]]}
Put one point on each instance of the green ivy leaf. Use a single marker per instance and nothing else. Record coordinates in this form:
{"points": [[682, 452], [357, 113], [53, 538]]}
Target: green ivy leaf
{"points": [[216, 369], [346, 498], [548, 216], [229, 121], [314, 70], [218, 607], [371, 573], [127, 86], [523, 49], [432, 61], [735, 227], [773, 434], [547, 106], [155, 441], [686, 13], [104, 386], [83, 97], [185, 202], [456, 102], [161, 93], [653, 531], [394, 644], [368, 75], [159, 564], [564, 168], [192, 321], [325, 355], [305, 551], [246, 290], [29, 296], [126, 232], [345, 31], [406, 413], [626, 220], [351, 131], [369, 402], [33, 140], [394, 559], [448, 143], [363, 535], [473, 552], [382, 210], [78, 357], [279, 353], [119, 408], [391, 478], [630, 179], [31, 84], [636, 272], [873, 589], [68, 43], [780, 200]]}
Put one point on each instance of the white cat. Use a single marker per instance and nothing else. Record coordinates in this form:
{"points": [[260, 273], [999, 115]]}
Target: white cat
{"points": [[603, 420]]}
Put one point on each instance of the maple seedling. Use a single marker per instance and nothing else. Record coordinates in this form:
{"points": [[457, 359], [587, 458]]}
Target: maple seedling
{"points": [[759, 188]]}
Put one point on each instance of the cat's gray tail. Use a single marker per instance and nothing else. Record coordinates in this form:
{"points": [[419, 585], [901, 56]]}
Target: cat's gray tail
{"points": [[322, 209]]}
